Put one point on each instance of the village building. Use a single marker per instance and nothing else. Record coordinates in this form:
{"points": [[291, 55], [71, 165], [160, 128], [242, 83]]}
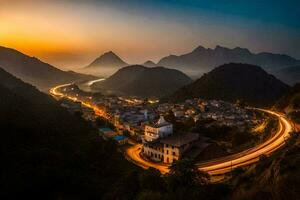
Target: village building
{"points": [[161, 145], [160, 129]]}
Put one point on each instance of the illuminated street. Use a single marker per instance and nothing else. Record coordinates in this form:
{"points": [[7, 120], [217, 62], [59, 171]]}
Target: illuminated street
{"points": [[226, 164], [56, 93], [213, 167]]}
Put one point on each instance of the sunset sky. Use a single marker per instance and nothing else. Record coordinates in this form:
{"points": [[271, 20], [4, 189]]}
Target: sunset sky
{"points": [[71, 33]]}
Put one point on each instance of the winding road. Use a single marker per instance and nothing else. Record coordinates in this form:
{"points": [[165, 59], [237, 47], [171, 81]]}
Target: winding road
{"points": [[224, 165], [218, 166]]}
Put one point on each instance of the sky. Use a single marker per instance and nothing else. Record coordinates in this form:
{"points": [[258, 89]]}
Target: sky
{"points": [[71, 33]]}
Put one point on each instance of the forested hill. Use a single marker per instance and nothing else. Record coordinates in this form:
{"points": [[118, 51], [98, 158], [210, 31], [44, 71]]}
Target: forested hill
{"points": [[138, 80], [235, 81], [47, 153]]}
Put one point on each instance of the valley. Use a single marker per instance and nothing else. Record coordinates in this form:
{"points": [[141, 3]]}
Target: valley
{"points": [[214, 167], [149, 100]]}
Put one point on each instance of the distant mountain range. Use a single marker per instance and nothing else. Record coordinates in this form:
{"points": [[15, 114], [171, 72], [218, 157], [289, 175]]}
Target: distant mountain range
{"points": [[138, 80], [36, 72], [231, 82], [202, 60]]}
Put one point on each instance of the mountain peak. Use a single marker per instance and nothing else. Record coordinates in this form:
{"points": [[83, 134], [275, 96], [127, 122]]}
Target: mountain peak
{"points": [[109, 53], [218, 47], [108, 59], [242, 50], [149, 63], [199, 48]]}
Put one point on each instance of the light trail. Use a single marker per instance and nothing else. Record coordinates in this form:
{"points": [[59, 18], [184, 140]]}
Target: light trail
{"points": [[89, 83], [56, 93], [213, 167], [250, 156], [226, 164]]}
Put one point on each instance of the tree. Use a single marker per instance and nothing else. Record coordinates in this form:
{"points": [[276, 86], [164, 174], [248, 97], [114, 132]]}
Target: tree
{"points": [[185, 172]]}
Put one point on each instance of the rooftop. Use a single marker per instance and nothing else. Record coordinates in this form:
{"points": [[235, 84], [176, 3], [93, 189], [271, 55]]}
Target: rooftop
{"points": [[105, 129], [161, 122], [178, 140], [120, 138]]}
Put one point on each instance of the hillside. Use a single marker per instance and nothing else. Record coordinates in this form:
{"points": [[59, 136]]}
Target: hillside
{"points": [[138, 80], [47, 153], [34, 71], [290, 75], [233, 81], [290, 101], [290, 104], [274, 177], [202, 60]]}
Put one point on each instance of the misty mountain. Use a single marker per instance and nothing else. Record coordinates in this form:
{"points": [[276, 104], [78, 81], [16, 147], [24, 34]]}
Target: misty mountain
{"points": [[202, 60], [108, 59], [36, 72], [149, 63], [231, 82], [290, 75], [138, 80]]}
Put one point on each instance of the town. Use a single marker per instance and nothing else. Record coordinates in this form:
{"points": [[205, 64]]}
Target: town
{"points": [[143, 121]]}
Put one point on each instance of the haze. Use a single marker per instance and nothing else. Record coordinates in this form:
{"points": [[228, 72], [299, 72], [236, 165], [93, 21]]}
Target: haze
{"points": [[70, 34]]}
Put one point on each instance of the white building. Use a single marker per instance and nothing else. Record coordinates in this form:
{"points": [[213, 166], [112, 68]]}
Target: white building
{"points": [[159, 130], [170, 149], [161, 145]]}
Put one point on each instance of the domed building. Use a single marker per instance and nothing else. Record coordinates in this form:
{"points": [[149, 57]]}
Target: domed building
{"points": [[161, 145]]}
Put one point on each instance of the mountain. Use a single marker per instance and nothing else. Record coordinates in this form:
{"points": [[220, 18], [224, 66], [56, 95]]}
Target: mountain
{"points": [[138, 80], [202, 60], [234, 81], [34, 71], [108, 59], [47, 153], [105, 65], [290, 75], [149, 63]]}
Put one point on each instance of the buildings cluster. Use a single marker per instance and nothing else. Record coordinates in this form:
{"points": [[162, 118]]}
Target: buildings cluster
{"points": [[144, 120], [221, 112], [130, 115]]}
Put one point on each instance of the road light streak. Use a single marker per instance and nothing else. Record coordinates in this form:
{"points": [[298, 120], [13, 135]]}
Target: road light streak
{"points": [[213, 167]]}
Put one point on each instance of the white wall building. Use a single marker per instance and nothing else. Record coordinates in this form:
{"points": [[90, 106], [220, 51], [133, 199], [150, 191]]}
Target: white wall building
{"points": [[159, 130]]}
